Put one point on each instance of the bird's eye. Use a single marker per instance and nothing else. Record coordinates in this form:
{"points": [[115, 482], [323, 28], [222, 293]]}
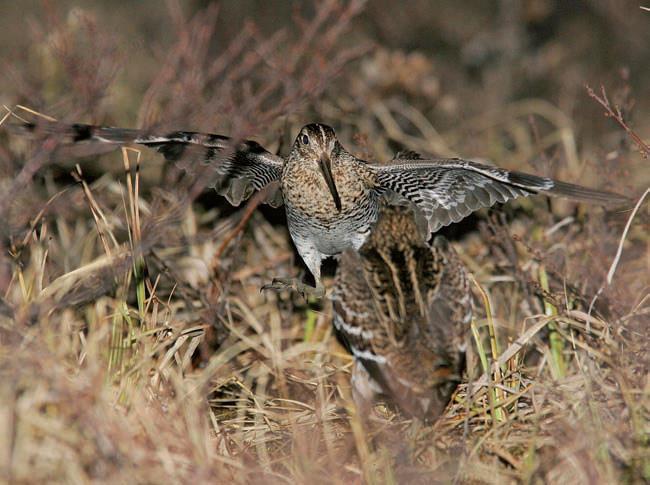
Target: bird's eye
{"points": [[305, 140]]}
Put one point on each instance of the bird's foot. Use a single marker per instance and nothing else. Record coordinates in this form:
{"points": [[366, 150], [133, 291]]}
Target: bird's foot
{"points": [[279, 284]]}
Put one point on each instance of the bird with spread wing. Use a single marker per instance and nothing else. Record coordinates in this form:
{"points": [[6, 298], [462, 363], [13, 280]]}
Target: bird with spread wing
{"points": [[331, 197]]}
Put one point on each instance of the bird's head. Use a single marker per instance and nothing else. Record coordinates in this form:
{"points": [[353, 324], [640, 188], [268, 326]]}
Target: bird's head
{"points": [[316, 144]]}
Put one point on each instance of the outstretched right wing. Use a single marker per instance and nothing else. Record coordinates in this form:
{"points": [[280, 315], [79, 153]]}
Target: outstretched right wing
{"points": [[448, 190], [239, 168]]}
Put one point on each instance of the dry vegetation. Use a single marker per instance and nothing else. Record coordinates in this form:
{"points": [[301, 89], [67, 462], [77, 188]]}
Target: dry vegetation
{"points": [[135, 345]]}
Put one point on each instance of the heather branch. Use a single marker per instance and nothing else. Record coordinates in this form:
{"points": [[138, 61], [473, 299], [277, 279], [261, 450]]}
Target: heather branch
{"points": [[615, 113]]}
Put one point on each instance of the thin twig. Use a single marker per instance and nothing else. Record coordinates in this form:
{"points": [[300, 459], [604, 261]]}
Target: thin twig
{"points": [[619, 251], [615, 113]]}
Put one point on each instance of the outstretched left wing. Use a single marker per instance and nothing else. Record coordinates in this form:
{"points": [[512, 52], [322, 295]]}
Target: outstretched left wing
{"points": [[448, 190], [239, 169]]}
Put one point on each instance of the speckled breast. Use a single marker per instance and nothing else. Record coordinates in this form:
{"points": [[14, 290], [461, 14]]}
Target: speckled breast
{"points": [[313, 216]]}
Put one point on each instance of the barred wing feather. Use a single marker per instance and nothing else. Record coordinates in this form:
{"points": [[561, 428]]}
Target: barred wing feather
{"points": [[239, 169], [447, 190]]}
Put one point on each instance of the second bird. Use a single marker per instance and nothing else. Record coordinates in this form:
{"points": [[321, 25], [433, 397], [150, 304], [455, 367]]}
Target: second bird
{"points": [[403, 309]]}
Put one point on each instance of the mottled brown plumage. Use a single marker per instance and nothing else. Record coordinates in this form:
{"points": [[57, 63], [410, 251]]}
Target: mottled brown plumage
{"points": [[403, 308], [332, 198]]}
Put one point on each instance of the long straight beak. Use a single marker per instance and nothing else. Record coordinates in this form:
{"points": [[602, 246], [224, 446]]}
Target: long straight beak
{"points": [[326, 168]]}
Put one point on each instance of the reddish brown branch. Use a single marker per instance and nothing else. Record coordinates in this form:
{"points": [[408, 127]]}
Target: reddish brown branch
{"points": [[615, 113]]}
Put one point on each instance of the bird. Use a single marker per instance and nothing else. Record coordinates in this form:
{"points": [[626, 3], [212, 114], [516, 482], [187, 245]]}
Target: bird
{"points": [[403, 308], [331, 197]]}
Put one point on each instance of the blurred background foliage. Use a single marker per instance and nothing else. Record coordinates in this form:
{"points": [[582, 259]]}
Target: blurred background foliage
{"points": [[479, 56]]}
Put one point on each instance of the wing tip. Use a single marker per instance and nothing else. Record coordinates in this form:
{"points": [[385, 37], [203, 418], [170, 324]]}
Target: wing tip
{"points": [[580, 193], [535, 184]]}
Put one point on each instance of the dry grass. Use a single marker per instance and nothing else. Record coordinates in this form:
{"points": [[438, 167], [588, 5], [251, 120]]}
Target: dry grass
{"points": [[135, 345]]}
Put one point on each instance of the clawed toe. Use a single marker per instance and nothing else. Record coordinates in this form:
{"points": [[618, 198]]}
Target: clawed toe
{"points": [[279, 284]]}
